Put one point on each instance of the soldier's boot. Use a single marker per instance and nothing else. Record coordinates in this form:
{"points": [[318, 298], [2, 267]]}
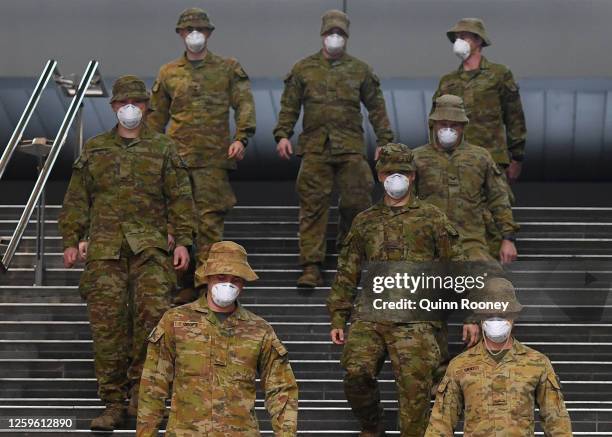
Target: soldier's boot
{"points": [[112, 417], [184, 296], [311, 276], [132, 409], [377, 431]]}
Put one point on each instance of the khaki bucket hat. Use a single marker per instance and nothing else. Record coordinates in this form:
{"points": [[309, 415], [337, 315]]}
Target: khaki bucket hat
{"points": [[225, 258], [472, 25], [449, 108]]}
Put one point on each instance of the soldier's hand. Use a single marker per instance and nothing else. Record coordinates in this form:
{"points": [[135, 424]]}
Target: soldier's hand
{"points": [[471, 334], [70, 256], [507, 252], [337, 336], [284, 148], [181, 258], [377, 153], [236, 151], [514, 171], [83, 246], [171, 242]]}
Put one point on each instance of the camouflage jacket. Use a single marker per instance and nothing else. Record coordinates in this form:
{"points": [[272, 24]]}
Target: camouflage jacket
{"points": [[493, 105], [196, 102], [416, 232], [499, 399], [468, 186], [130, 192], [331, 92], [212, 368]]}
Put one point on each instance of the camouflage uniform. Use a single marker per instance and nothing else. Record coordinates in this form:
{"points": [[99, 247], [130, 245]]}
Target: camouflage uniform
{"points": [[331, 144], [493, 105], [415, 232], [212, 366], [465, 183], [498, 395], [121, 198], [492, 102], [192, 103]]}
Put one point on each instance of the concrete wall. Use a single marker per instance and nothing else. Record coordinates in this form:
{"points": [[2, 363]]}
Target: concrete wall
{"points": [[401, 38]]}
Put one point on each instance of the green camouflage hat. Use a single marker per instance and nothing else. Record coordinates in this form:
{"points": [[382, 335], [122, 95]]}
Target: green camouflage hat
{"points": [[472, 25], [225, 258], [449, 108], [335, 18], [194, 17], [129, 87], [395, 157], [497, 290]]}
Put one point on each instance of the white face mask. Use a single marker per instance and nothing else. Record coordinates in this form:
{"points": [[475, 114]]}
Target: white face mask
{"points": [[334, 43], [129, 116], [224, 294], [461, 48], [447, 137], [396, 185], [195, 41], [497, 329]]}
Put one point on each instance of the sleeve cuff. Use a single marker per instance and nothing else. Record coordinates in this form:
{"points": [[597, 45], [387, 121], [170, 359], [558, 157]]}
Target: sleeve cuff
{"points": [[338, 320], [184, 241]]}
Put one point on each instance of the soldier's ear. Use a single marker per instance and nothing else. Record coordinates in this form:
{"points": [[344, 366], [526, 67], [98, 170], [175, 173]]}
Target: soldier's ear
{"points": [[412, 176]]}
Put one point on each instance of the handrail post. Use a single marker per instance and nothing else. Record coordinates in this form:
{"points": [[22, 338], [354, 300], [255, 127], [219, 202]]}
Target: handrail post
{"points": [[48, 71], [58, 142]]}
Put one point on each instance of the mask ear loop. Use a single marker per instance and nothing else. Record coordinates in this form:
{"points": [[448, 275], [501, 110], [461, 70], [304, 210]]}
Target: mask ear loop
{"points": [[487, 347]]}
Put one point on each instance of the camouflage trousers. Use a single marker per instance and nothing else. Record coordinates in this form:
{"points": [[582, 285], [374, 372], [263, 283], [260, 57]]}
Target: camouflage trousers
{"points": [[414, 353], [214, 198], [126, 298], [318, 174]]}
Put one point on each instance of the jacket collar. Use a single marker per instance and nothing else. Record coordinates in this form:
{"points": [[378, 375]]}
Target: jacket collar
{"points": [[484, 64], [479, 352], [145, 134], [413, 203]]}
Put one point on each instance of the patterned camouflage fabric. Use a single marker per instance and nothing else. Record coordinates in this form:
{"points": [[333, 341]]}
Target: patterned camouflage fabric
{"points": [[128, 274], [467, 185], [129, 87], [125, 297], [472, 25], [395, 157], [194, 17], [194, 102], [331, 92], [414, 232], [212, 368], [493, 105], [332, 144], [315, 183], [225, 258], [499, 399], [335, 18]]}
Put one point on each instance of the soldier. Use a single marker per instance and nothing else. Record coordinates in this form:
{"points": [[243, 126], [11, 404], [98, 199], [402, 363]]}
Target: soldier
{"points": [[493, 105], [210, 352], [398, 228], [497, 383], [463, 181], [193, 96], [491, 97], [331, 85], [128, 273]]}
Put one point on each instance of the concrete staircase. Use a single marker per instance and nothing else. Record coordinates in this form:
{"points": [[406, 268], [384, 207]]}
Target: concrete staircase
{"points": [[563, 275]]}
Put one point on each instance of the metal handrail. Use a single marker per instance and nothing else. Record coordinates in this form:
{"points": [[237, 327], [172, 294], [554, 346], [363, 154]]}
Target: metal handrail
{"points": [[58, 142], [47, 73]]}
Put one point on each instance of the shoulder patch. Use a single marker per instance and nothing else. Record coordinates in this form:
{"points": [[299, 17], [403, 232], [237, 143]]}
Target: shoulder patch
{"points": [[156, 334], [280, 348]]}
